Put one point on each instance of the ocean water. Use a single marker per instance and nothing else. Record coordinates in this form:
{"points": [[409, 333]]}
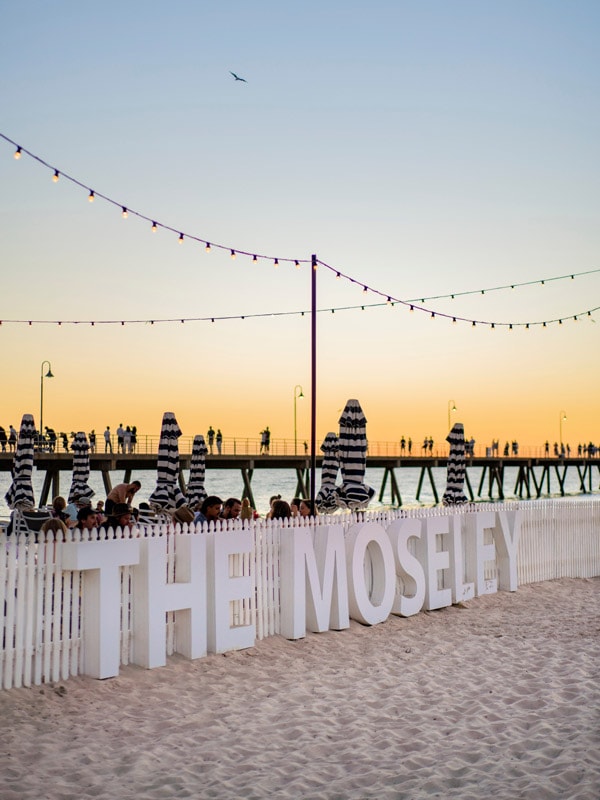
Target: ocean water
{"points": [[267, 482]]}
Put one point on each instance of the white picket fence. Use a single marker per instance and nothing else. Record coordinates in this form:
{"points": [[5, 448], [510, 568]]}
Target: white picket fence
{"points": [[41, 624]]}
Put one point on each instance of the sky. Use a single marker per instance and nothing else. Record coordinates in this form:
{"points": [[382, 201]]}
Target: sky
{"points": [[421, 148]]}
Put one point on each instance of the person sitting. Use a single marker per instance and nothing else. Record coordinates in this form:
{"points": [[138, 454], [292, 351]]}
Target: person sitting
{"points": [[181, 515], [59, 505], [121, 517], [281, 510], [272, 500], [122, 493], [87, 519], [295, 506], [232, 508], [73, 508], [57, 526], [307, 508], [210, 510]]}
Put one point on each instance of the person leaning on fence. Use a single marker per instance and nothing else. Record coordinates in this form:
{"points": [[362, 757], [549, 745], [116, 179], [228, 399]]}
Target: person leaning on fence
{"points": [[122, 493], [295, 506]]}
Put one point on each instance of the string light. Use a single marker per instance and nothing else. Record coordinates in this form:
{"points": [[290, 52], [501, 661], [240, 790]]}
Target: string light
{"points": [[338, 273], [155, 223], [301, 313], [207, 248]]}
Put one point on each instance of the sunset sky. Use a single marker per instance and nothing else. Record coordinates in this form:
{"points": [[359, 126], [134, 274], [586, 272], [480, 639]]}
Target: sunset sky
{"points": [[422, 148]]}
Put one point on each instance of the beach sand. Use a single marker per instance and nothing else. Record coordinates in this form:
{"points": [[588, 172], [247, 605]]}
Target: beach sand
{"points": [[498, 697]]}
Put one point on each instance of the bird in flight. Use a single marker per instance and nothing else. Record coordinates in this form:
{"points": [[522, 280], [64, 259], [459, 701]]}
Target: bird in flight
{"points": [[237, 77]]}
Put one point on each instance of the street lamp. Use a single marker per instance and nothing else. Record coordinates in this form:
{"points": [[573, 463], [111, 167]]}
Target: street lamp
{"points": [[296, 396], [42, 376], [451, 408], [562, 417]]}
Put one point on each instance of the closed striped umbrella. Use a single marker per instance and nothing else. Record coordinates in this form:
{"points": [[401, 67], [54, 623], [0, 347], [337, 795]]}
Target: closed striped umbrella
{"points": [[454, 494], [325, 500], [353, 493], [196, 492], [167, 493], [81, 468], [20, 492]]}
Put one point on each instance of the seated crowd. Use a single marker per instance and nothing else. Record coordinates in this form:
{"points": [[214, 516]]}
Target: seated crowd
{"points": [[117, 511]]}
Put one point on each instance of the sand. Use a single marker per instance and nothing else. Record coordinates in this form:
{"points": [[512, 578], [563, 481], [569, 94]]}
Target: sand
{"points": [[498, 697]]}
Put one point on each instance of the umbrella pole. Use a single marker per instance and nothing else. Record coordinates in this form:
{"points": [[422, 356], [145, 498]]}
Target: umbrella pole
{"points": [[313, 394]]}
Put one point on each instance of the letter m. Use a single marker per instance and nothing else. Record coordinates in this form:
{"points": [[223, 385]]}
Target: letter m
{"points": [[314, 585]]}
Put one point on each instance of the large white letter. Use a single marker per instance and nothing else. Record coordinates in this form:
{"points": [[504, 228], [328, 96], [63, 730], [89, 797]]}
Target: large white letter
{"points": [[408, 567], [374, 606], [460, 590], [154, 597], [318, 571], [478, 552], [222, 589], [506, 533], [434, 561], [101, 623]]}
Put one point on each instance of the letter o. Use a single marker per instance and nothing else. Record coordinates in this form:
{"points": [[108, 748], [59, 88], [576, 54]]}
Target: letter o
{"points": [[362, 539]]}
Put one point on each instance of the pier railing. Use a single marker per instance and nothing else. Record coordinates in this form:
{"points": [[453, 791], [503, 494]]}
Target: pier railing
{"points": [[147, 444]]}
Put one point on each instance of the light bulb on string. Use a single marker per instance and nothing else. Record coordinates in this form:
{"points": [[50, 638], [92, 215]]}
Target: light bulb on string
{"points": [[297, 263], [91, 196], [233, 254], [254, 258], [276, 262], [124, 212], [181, 238], [207, 248], [154, 227], [18, 153], [56, 176]]}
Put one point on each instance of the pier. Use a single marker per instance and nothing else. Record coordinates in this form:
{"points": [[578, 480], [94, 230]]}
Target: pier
{"points": [[533, 480]]}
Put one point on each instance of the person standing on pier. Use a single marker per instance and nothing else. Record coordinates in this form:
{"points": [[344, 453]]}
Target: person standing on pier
{"points": [[219, 440], [12, 438], [120, 438], [3, 439], [107, 441], [92, 440], [210, 435]]}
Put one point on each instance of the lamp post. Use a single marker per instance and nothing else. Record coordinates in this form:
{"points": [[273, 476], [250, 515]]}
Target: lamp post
{"points": [[562, 417], [42, 376], [296, 396], [451, 408]]}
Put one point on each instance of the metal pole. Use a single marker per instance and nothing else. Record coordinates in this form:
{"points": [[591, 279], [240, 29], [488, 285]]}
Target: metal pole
{"points": [[313, 395]]}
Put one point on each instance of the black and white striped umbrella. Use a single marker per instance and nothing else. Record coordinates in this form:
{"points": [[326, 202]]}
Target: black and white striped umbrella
{"points": [[81, 468], [167, 493], [20, 492], [325, 500], [454, 494], [353, 493], [196, 492]]}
